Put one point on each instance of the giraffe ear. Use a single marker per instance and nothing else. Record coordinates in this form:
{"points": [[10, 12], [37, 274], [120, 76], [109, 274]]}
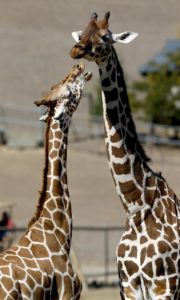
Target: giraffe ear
{"points": [[59, 111], [44, 117], [124, 37], [77, 35]]}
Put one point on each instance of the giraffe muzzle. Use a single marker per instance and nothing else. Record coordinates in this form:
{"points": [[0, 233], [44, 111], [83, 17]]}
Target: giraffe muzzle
{"points": [[87, 76]]}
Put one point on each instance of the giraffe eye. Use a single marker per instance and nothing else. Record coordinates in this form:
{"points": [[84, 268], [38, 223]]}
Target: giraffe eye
{"points": [[105, 38], [81, 46]]}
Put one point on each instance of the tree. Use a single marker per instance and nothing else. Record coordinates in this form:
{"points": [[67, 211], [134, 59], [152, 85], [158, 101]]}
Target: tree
{"points": [[96, 108], [158, 96]]}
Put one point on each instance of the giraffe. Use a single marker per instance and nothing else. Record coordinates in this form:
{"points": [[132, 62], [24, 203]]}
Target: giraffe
{"points": [[39, 266], [148, 254]]}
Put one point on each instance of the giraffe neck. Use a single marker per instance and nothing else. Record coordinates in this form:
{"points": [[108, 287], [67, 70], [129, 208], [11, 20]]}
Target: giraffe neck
{"points": [[54, 202], [56, 155], [117, 108], [127, 159]]}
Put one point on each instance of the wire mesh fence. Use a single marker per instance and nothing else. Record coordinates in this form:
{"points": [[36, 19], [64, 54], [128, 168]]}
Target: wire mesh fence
{"points": [[94, 248], [20, 126]]}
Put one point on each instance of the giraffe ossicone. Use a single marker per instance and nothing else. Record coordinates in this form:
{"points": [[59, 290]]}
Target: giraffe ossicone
{"points": [[148, 254], [39, 265]]}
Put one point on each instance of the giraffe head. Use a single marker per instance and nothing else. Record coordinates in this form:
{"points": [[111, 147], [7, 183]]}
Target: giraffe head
{"points": [[64, 97], [94, 43]]}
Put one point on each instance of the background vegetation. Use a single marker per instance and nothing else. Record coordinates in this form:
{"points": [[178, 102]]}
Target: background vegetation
{"points": [[157, 96]]}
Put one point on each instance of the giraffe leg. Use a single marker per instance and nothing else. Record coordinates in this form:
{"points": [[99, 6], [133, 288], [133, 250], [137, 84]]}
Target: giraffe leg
{"points": [[121, 289], [65, 291], [139, 289], [133, 289], [166, 289], [72, 288], [77, 288], [162, 297], [167, 296], [130, 291]]}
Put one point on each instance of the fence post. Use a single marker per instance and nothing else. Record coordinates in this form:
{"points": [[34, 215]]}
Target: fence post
{"points": [[106, 254]]}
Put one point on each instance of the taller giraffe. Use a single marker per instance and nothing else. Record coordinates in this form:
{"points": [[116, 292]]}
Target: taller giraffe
{"points": [[39, 266], [148, 253]]}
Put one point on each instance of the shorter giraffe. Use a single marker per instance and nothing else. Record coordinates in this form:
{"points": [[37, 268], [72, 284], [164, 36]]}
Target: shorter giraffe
{"points": [[38, 266]]}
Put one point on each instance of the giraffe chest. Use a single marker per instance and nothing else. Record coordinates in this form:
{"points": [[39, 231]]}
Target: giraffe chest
{"points": [[150, 249], [148, 266]]}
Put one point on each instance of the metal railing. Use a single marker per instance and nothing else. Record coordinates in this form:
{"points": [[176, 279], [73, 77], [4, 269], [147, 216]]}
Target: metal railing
{"points": [[106, 273], [15, 117]]}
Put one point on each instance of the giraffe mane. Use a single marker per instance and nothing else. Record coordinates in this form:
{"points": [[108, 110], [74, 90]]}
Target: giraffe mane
{"points": [[139, 147], [44, 180]]}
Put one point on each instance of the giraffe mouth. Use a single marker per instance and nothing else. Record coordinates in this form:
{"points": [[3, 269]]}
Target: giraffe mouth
{"points": [[79, 71], [87, 76]]}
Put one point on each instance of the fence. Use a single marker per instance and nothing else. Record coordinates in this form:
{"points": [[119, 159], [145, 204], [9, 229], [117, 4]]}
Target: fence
{"points": [[95, 251], [19, 125], [98, 246]]}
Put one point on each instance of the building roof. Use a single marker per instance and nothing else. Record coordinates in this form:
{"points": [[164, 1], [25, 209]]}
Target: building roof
{"points": [[161, 58]]}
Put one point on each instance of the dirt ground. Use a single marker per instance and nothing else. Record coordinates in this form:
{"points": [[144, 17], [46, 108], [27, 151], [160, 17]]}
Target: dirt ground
{"points": [[91, 187], [104, 294]]}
